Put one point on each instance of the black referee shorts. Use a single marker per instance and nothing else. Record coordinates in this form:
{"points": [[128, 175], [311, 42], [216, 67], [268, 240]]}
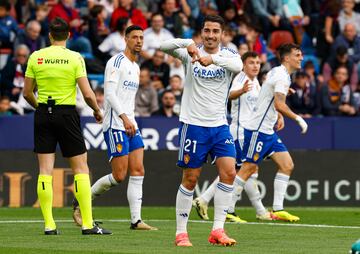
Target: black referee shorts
{"points": [[61, 126]]}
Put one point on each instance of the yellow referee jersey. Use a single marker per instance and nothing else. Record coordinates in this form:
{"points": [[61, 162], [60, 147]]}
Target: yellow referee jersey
{"points": [[55, 70]]}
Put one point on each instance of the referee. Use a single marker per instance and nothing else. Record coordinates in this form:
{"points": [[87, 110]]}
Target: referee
{"points": [[55, 70]]}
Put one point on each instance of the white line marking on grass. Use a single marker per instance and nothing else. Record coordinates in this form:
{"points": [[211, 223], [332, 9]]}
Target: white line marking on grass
{"points": [[194, 221]]}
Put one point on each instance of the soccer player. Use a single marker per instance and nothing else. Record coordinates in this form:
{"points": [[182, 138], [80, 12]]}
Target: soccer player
{"points": [[121, 133], [55, 70], [204, 129], [244, 92], [260, 140]]}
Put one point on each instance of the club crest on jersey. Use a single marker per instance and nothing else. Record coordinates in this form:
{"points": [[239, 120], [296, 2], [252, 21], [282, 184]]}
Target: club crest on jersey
{"points": [[119, 148], [256, 156], [186, 158]]}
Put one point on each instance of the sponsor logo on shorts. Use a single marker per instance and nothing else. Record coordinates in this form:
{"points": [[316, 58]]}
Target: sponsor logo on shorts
{"points": [[119, 148], [229, 141], [186, 158], [256, 156]]}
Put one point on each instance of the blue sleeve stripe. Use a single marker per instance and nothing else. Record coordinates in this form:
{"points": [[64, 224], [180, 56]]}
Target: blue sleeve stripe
{"points": [[118, 60], [230, 50]]}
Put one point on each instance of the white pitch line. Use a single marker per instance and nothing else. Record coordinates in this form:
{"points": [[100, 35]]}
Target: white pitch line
{"points": [[194, 221]]}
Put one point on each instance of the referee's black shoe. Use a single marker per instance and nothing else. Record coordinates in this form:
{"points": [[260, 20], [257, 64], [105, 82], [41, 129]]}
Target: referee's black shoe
{"points": [[52, 232], [96, 230]]}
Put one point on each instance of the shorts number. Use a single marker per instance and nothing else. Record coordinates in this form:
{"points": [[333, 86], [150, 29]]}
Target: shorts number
{"points": [[118, 134], [259, 146], [188, 143]]}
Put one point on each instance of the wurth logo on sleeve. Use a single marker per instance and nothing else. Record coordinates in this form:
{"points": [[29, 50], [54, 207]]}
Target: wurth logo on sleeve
{"points": [[40, 60]]}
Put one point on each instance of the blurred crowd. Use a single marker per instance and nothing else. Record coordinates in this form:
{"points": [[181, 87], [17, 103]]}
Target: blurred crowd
{"points": [[327, 30]]}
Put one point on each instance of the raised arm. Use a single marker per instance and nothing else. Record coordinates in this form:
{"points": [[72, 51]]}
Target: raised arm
{"points": [[233, 64], [238, 89], [177, 48]]}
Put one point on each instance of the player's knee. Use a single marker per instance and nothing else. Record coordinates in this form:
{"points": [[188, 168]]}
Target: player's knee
{"points": [[246, 171], [137, 170], [227, 176], [288, 167], [119, 175], [189, 182]]}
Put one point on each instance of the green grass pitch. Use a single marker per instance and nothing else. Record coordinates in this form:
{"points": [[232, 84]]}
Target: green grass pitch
{"points": [[321, 230]]}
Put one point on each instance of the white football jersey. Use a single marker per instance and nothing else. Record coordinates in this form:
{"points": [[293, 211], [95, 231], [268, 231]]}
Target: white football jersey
{"points": [[120, 87], [206, 89], [242, 107], [264, 115], [114, 43], [152, 40]]}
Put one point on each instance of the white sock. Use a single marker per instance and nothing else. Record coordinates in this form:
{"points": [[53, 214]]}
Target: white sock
{"points": [[252, 190], [210, 191], [281, 182], [236, 195], [184, 199], [102, 185], [222, 198], [134, 196]]}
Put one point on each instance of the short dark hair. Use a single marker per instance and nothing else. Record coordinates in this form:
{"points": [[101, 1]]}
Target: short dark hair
{"points": [[285, 49], [176, 76], [214, 18], [309, 64], [341, 51], [156, 14], [340, 66], [59, 29], [121, 24], [132, 28], [145, 69], [96, 10], [166, 92], [301, 74], [99, 90], [249, 54]]}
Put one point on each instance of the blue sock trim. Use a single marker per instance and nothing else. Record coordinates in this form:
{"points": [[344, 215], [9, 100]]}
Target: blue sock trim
{"points": [[224, 187], [186, 192]]}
